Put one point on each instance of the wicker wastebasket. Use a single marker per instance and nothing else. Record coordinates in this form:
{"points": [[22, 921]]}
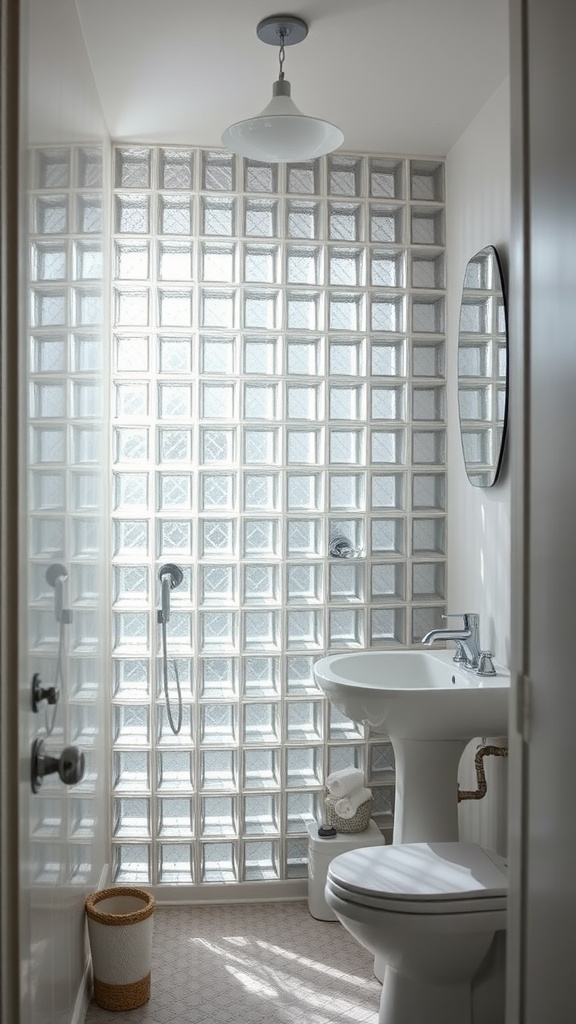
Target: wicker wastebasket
{"points": [[120, 932]]}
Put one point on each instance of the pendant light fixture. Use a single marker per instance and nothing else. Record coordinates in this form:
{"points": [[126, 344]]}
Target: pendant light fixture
{"points": [[282, 133]]}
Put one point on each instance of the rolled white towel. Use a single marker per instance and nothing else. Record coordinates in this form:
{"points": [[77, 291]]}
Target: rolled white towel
{"points": [[342, 782], [347, 806]]}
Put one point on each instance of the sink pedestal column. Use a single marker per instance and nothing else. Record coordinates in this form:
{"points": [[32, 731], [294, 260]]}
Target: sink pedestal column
{"points": [[426, 807]]}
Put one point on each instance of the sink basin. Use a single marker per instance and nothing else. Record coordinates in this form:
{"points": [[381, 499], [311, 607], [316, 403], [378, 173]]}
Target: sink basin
{"points": [[430, 709], [415, 694]]}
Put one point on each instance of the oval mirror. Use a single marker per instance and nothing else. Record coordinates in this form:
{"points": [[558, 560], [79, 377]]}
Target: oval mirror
{"points": [[482, 368]]}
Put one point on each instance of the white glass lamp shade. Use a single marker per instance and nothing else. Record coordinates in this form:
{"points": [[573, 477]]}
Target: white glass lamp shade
{"points": [[281, 133]]}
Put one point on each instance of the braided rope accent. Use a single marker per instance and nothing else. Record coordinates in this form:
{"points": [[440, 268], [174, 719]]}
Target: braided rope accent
{"points": [[122, 997], [120, 919]]}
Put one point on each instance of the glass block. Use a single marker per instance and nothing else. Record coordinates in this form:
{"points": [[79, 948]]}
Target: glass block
{"points": [[387, 447], [303, 767], [346, 627], [475, 315], [387, 626], [301, 810], [261, 630], [341, 728], [477, 445], [386, 178], [131, 354], [218, 171], [346, 403], [345, 175], [260, 309], [48, 444], [387, 536], [131, 400], [386, 223], [261, 447], [304, 629], [429, 446], [48, 400], [217, 309], [297, 858], [429, 491], [132, 214], [217, 401], [427, 226], [261, 264], [387, 403], [261, 814], [303, 310], [387, 313], [303, 492], [428, 580], [218, 816], [304, 721], [176, 168], [300, 675], [49, 489], [131, 863], [346, 491], [304, 401], [387, 268], [131, 771], [427, 181], [261, 355], [474, 402], [218, 216], [218, 769], [131, 583], [50, 308], [49, 261], [88, 215], [174, 401], [303, 446], [261, 218], [388, 491], [130, 537], [131, 307], [346, 583], [174, 262], [217, 491], [429, 403], [303, 178], [428, 270], [218, 678], [131, 725], [388, 580], [174, 445], [388, 358], [261, 401], [261, 723], [131, 678], [260, 177], [48, 355], [131, 444], [261, 769], [345, 222], [175, 817], [304, 357], [219, 862], [132, 167], [261, 492], [428, 359], [261, 676], [131, 818], [217, 584], [50, 215], [217, 262], [260, 537], [304, 584], [217, 355], [346, 311], [218, 631], [218, 724], [302, 219], [89, 167], [428, 536], [53, 168], [174, 491], [174, 537], [347, 357], [130, 491], [381, 763], [425, 619], [132, 260], [303, 264], [346, 447], [87, 306], [175, 308], [261, 584], [427, 314]]}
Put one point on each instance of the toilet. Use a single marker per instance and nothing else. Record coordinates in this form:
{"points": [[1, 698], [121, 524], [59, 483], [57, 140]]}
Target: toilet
{"points": [[434, 917]]}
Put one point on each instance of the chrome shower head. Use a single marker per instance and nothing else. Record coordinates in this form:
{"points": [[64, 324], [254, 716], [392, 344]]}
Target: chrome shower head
{"points": [[174, 572]]}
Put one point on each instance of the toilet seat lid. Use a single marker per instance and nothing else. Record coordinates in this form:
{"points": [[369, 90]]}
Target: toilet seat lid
{"points": [[421, 872]]}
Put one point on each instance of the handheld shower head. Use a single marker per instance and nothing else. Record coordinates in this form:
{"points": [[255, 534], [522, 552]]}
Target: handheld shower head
{"points": [[56, 576], [170, 576]]}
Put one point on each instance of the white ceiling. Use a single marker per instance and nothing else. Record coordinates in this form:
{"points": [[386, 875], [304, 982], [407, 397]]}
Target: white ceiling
{"points": [[397, 76]]}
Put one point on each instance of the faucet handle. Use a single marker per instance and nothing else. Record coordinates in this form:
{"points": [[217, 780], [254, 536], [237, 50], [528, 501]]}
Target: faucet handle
{"points": [[485, 664], [468, 617]]}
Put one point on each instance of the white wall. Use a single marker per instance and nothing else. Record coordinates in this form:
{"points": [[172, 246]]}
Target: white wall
{"points": [[479, 525]]}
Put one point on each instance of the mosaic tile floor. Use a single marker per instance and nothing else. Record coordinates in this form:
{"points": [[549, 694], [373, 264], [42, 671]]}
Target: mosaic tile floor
{"points": [[250, 964]]}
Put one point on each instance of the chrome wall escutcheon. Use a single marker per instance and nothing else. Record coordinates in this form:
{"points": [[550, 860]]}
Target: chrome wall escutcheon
{"points": [[70, 765], [41, 692]]}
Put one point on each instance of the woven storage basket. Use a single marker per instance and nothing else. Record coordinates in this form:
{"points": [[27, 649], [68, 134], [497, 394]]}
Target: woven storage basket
{"points": [[120, 931], [358, 823]]}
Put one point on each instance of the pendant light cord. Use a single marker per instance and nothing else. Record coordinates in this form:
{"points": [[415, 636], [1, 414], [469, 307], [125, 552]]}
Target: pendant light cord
{"points": [[281, 52]]}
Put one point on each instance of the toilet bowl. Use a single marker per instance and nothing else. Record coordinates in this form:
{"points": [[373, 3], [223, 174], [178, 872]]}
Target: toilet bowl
{"points": [[431, 913]]}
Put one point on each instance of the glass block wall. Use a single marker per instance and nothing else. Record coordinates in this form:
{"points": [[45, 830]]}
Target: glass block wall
{"points": [[278, 379]]}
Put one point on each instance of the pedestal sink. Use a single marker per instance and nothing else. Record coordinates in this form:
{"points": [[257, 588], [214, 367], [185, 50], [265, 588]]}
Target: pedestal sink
{"points": [[430, 709]]}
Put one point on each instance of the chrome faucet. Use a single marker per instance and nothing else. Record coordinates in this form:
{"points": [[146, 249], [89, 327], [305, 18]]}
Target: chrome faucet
{"points": [[467, 639]]}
